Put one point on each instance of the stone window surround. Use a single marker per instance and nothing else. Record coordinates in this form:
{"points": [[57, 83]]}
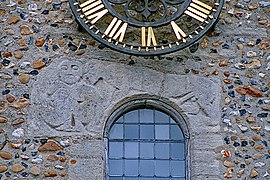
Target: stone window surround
{"points": [[148, 102]]}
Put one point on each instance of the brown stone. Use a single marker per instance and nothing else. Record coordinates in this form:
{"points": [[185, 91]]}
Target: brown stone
{"points": [[22, 42], [73, 161], [223, 63], [18, 121], [3, 168], [35, 170], [216, 72], [227, 81], [60, 42], [3, 119], [217, 43], [257, 156], [10, 98], [255, 64], [26, 30], [253, 173], [204, 43], [250, 119], [50, 174], [5, 155], [254, 92], [18, 54], [2, 11], [63, 159], [259, 147], [38, 64], [233, 138], [24, 78], [50, 145], [7, 54], [226, 73], [228, 163], [13, 20], [266, 108], [240, 173], [40, 42], [10, 31], [17, 168], [256, 128], [15, 145], [19, 103], [228, 173], [256, 138], [240, 46], [22, 1], [52, 157]]}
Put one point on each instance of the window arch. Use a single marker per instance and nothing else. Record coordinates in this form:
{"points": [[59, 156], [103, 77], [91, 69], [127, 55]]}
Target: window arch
{"points": [[147, 143]]}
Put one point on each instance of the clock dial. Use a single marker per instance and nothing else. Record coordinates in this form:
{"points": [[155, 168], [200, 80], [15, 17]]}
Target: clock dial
{"points": [[146, 27]]}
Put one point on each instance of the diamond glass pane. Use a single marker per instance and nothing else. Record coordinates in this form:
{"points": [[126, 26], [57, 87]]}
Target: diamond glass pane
{"points": [[146, 144]]}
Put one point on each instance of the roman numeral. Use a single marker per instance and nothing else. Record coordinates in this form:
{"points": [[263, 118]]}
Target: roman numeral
{"points": [[93, 10], [198, 10], [150, 37], [112, 32], [180, 34]]}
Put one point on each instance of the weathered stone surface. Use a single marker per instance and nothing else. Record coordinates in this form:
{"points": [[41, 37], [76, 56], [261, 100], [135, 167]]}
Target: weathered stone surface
{"points": [[35, 170], [13, 20], [50, 145], [3, 168], [17, 168], [5, 155]]}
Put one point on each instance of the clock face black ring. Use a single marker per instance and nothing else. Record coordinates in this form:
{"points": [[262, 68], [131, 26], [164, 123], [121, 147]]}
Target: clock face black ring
{"points": [[146, 27]]}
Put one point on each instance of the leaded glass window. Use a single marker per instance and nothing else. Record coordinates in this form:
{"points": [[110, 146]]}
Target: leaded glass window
{"points": [[146, 144]]}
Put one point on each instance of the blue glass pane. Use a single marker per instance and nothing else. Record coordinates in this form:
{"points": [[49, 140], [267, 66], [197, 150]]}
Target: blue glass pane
{"points": [[116, 167], [131, 150], [161, 117], [162, 131], [162, 168], [163, 179], [178, 168], [116, 132], [146, 150], [176, 133], [131, 178], [131, 132], [115, 178], [147, 168], [178, 151], [146, 116], [131, 168], [116, 149], [179, 178], [146, 178], [131, 117], [147, 131], [162, 150]]}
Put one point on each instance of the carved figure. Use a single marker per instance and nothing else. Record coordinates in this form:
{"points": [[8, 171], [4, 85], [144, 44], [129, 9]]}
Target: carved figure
{"points": [[70, 103]]}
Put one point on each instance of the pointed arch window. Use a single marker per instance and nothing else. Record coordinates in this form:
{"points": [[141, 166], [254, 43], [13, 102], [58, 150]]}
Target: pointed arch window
{"points": [[147, 144]]}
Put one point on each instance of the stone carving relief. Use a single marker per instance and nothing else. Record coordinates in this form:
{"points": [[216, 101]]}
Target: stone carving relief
{"points": [[64, 99], [73, 96]]}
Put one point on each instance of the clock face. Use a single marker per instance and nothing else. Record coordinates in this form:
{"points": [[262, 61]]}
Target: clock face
{"points": [[146, 27]]}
